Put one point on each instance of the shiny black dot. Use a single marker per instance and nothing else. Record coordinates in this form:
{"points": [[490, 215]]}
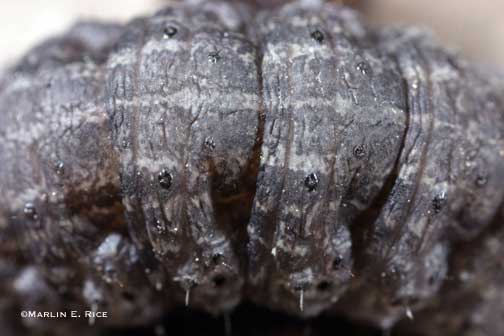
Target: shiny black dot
{"points": [[311, 182], [210, 143], [364, 68], [160, 228], [29, 211], [318, 36], [59, 167], [165, 179], [359, 151], [438, 202], [169, 32], [214, 57]]}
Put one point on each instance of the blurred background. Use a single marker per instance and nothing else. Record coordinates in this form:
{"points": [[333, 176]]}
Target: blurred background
{"points": [[476, 28]]}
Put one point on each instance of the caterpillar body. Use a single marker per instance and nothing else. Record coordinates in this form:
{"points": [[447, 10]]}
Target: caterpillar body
{"points": [[215, 153]]}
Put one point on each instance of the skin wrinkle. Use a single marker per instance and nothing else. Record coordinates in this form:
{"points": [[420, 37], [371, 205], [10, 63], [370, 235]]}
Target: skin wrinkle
{"points": [[408, 209]]}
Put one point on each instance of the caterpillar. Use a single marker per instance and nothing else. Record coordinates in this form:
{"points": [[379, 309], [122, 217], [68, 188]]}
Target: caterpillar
{"points": [[215, 153]]}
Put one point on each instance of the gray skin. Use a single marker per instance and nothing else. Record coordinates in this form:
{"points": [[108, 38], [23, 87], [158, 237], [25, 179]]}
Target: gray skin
{"points": [[449, 183], [472, 296], [183, 99], [332, 107], [60, 188], [205, 155]]}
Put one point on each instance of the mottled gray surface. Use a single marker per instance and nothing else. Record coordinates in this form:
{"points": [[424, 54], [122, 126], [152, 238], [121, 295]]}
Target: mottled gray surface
{"points": [[294, 158]]}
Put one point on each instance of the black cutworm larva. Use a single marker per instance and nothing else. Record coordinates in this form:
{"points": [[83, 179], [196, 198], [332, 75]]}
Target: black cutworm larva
{"points": [[217, 152]]}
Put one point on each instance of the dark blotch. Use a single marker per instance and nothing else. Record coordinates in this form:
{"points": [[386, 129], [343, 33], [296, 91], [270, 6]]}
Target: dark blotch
{"points": [[130, 297], [299, 287], [216, 258], [438, 202], [160, 228], [165, 179], [219, 280], [169, 32], [318, 36], [359, 151], [214, 57], [364, 68], [336, 264], [59, 168], [481, 180], [323, 286], [311, 182], [209, 143]]}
